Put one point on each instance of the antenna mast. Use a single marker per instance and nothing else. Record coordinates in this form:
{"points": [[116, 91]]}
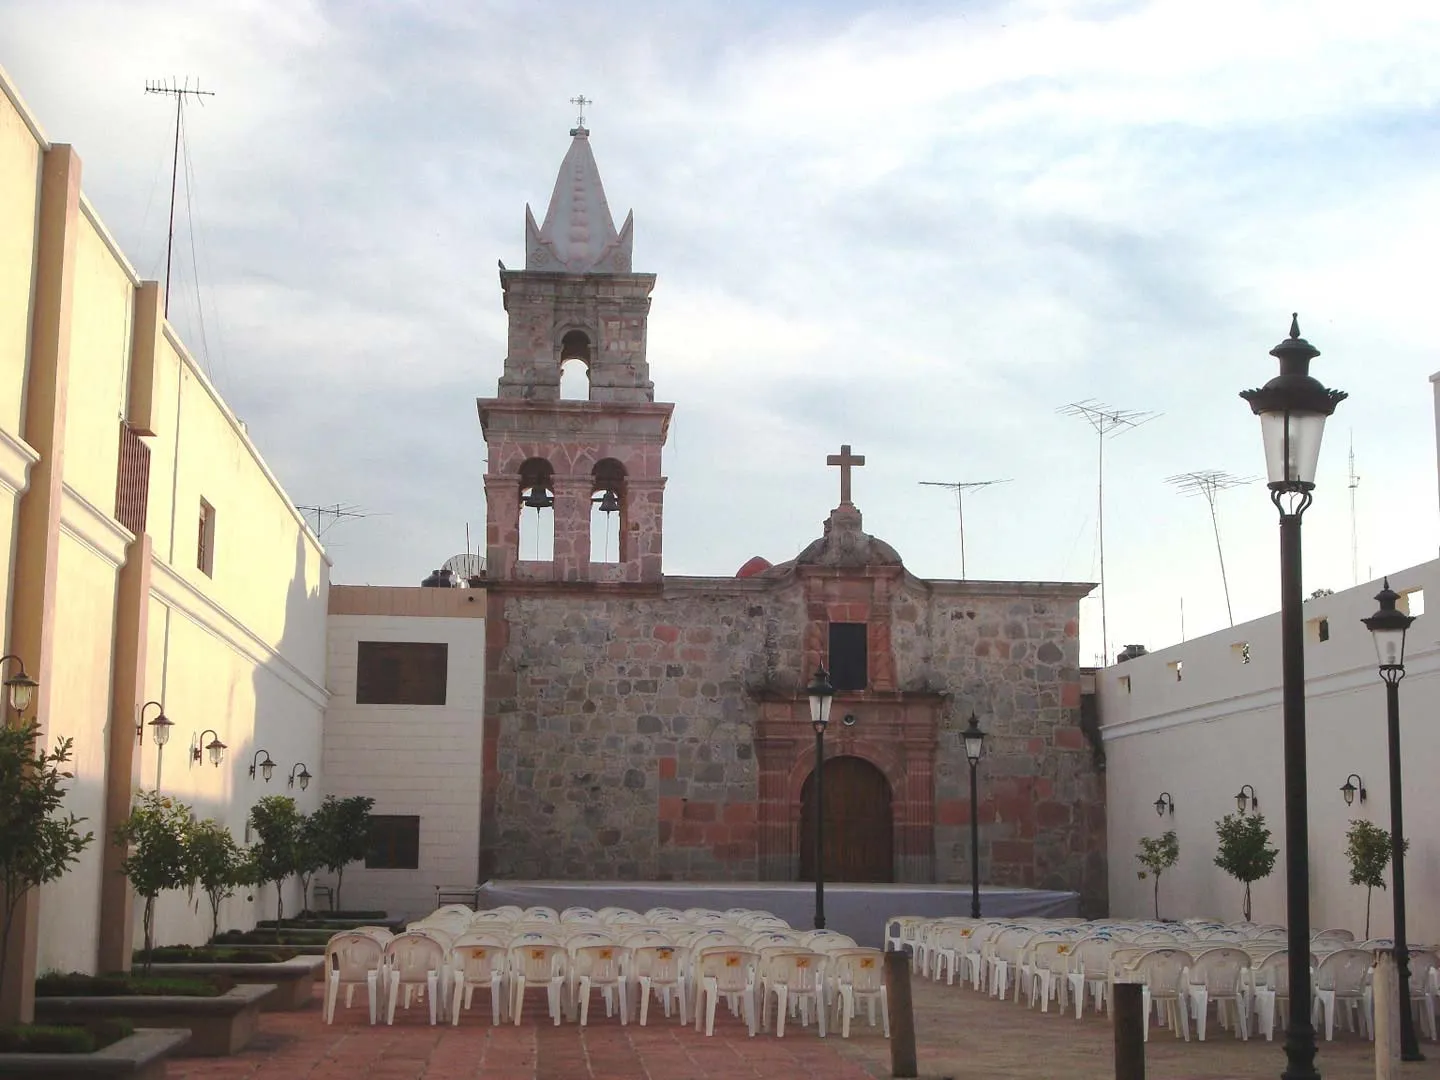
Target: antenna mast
{"points": [[1107, 421], [960, 488], [1209, 482], [179, 93], [1354, 529], [327, 517]]}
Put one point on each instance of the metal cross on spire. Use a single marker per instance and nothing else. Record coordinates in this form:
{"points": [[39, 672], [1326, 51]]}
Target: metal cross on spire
{"points": [[580, 103], [846, 461]]}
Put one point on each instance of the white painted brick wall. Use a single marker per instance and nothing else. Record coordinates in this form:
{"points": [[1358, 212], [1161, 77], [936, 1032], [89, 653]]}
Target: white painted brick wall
{"points": [[412, 759]]}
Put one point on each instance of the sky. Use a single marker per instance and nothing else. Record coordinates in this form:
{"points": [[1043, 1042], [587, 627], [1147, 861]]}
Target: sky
{"points": [[918, 228]]}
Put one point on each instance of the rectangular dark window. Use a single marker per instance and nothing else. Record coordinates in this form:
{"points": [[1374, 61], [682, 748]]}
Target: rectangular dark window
{"points": [[849, 659], [394, 842], [401, 673], [205, 555]]}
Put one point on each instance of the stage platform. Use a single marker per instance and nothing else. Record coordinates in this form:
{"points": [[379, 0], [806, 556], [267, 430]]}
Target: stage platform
{"points": [[858, 910]]}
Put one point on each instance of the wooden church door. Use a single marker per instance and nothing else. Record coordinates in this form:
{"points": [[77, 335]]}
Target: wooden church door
{"points": [[859, 829]]}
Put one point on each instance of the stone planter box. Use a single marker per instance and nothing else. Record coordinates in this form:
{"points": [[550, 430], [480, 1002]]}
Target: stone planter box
{"points": [[218, 1026], [140, 1056], [293, 980], [303, 950]]}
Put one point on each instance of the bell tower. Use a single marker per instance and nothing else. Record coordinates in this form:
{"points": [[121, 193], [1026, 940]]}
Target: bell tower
{"points": [[573, 489]]}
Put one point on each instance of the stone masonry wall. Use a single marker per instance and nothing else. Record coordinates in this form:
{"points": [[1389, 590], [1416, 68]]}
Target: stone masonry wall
{"points": [[621, 728]]}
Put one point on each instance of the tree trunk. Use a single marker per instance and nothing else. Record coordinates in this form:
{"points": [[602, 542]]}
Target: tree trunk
{"points": [[1247, 901], [1157, 897], [214, 917], [335, 904], [1368, 892], [149, 923]]}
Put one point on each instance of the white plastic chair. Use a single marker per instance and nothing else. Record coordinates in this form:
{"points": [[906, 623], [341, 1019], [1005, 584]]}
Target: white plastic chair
{"points": [[476, 962], [599, 967], [1270, 985], [660, 968], [1050, 962], [352, 959], [413, 960], [858, 975], [1161, 971], [1340, 980], [537, 964], [1424, 975], [1338, 933], [1090, 970], [795, 975], [729, 971], [1218, 975]]}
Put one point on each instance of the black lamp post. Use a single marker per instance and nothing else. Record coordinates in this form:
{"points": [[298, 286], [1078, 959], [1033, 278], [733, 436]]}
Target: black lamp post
{"points": [[1387, 626], [1293, 408], [820, 693], [974, 751]]}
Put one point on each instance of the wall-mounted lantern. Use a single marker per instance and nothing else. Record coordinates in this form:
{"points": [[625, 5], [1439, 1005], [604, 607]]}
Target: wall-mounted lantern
{"points": [[20, 687], [1165, 802], [267, 766], [1246, 794], [301, 773], [215, 747], [1348, 789]]}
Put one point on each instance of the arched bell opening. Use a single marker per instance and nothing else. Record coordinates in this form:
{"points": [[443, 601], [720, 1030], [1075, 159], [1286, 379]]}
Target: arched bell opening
{"points": [[537, 511], [608, 511], [575, 356]]}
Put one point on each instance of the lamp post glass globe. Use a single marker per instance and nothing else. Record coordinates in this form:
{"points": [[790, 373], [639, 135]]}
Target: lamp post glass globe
{"points": [[1387, 627], [21, 688], [1348, 790], [160, 729], [820, 693], [302, 773], [974, 741], [216, 749]]}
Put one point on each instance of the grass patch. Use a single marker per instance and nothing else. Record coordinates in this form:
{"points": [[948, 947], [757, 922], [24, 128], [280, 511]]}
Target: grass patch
{"points": [[75, 984], [62, 1039]]}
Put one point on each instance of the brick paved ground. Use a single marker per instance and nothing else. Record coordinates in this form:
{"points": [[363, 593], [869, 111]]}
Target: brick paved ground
{"points": [[961, 1035]]}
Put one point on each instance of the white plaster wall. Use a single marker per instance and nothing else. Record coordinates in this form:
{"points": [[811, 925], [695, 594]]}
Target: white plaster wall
{"points": [[411, 759], [1202, 736]]}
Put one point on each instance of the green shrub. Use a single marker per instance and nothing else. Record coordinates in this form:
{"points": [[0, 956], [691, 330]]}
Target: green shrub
{"points": [[157, 835], [45, 1039], [1245, 852], [78, 984]]}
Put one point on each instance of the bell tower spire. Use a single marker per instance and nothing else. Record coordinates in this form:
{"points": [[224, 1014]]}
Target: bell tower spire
{"points": [[573, 470]]}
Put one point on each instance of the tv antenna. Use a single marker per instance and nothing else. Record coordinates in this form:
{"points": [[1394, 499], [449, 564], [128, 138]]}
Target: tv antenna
{"points": [[960, 487], [179, 93], [1354, 530], [1107, 421], [1209, 483], [327, 517]]}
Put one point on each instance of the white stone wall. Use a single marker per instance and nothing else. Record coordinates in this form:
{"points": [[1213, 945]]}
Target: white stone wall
{"points": [[412, 759], [1218, 726]]}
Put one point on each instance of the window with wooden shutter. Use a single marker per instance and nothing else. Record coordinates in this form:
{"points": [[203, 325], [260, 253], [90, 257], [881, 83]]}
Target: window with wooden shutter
{"points": [[849, 658]]}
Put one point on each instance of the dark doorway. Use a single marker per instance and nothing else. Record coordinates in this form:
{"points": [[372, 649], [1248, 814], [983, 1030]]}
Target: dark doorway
{"points": [[859, 831]]}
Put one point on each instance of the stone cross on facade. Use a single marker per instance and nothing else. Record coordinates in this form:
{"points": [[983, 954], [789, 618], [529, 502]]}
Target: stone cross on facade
{"points": [[580, 103], [846, 461]]}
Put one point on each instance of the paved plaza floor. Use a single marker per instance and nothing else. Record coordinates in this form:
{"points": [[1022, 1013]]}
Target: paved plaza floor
{"points": [[961, 1035]]}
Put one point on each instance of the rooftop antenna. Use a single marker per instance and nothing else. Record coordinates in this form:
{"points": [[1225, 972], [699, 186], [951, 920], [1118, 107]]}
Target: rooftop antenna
{"points": [[1107, 421], [327, 517], [1209, 483], [179, 93], [1354, 531], [960, 488]]}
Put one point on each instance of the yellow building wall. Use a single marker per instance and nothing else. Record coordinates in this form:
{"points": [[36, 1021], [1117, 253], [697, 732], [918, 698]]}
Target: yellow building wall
{"points": [[241, 652], [19, 192], [99, 364], [80, 706]]}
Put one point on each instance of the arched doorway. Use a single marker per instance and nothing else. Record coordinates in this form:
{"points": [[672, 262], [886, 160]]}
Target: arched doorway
{"points": [[859, 830]]}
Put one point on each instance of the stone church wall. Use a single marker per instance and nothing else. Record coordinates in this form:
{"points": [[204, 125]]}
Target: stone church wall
{"points": [[621, 728]]}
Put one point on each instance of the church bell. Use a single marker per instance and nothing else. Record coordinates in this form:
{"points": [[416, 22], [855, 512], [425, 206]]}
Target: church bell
{"points": [[538, 498], [609, 503]]}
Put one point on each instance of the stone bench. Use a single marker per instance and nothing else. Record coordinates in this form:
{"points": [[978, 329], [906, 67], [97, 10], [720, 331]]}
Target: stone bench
{"points": [[140, 1056], [218, 1026], [293, 979]]}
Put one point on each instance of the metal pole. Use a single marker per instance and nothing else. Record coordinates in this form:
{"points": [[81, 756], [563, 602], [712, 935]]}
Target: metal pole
{"points": [[902, 1016], [174, 170], [819, 828], [1129, 1028], [974, 846], [1409, 1047], [1300, 1039]]}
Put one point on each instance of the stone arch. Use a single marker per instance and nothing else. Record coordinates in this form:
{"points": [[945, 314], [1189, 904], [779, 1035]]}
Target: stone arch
{"points": [[535, 524], [608, 512], [575, 354]]}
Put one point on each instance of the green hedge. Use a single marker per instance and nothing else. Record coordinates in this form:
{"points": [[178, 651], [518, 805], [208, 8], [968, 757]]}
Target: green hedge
{"points": [[66, 1039], [76, 984], [204, 954]]}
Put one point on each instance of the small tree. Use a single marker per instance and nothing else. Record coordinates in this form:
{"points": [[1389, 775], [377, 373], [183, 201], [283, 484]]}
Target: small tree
{"points": [[1157, 856], [37, 843], [1368, 848], [276, 856], [158, 832], [1245, 852], [342, 830], [217, 863], [309, 854]]}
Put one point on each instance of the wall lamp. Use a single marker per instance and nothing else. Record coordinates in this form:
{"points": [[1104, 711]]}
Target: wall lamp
{"points": [[159, 727], [214, 746], [20, 687], [267, 766], [1349, 789], [1166, 800], [303, 775], [1245, 793]]}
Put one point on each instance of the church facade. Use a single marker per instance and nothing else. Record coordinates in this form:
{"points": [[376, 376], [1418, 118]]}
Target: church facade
{"points": [[645, 726]]}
